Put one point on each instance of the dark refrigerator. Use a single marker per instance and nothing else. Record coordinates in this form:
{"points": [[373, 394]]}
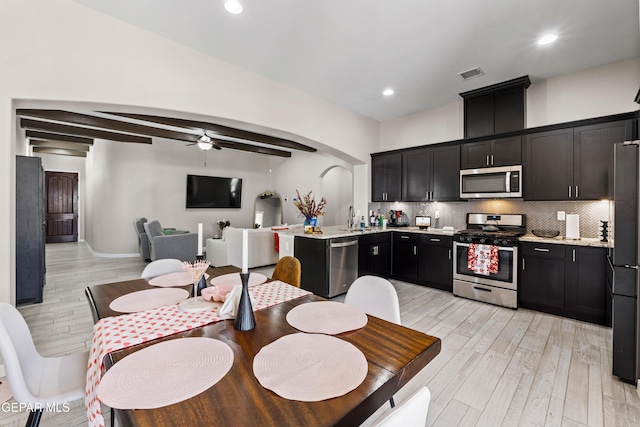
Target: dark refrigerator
{"points": [[624, 263]]}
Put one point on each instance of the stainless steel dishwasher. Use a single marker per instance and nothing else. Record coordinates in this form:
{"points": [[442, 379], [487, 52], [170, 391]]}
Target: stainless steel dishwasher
{"points": [[343, 264]]}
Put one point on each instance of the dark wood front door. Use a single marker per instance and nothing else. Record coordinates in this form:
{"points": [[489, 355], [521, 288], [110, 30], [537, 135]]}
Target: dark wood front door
{"points": [[61, 202]]}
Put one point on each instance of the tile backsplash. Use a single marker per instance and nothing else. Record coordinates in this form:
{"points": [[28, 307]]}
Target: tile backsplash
{"points": [[539, 215]]}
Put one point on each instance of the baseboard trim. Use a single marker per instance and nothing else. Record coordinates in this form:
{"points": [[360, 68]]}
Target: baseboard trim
{"points": [[108, 255]]}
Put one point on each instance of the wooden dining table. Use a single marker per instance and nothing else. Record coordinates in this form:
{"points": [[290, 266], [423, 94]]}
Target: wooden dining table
{"points": [[395, 354]]}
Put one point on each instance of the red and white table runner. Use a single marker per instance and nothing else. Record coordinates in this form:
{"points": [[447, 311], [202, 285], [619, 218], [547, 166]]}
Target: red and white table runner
{"points": [[118, 332]]}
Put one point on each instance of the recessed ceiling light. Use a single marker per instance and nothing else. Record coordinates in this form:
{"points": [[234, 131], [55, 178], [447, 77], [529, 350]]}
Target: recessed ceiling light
{"points": [[546, 39], [233, 6], [388, 92]]}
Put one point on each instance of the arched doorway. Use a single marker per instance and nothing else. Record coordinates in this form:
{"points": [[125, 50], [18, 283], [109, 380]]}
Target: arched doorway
{"points": [[337, 188]]}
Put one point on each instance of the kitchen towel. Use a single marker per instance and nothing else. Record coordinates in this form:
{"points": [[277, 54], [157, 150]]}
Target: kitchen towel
{"points": [[483, 259], [573, 226]]}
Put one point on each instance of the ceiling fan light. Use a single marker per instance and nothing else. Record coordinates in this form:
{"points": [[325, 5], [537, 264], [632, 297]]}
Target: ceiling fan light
{"points": [[205, 145], [233, 6]]}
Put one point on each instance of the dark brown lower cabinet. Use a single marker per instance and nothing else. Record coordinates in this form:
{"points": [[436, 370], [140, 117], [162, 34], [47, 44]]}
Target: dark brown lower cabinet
{"points": [[565, 280], [374, 255], [405, 256], [435, 261]]}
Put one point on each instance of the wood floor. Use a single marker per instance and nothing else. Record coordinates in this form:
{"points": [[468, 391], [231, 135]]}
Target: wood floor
{"points": [[497, 366]]}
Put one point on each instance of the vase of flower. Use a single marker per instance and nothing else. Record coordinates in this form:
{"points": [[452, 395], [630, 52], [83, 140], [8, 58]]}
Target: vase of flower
{"points": [[310, 210], [310, 224]]}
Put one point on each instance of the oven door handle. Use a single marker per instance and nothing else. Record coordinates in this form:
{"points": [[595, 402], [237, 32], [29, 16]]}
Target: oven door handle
{"points": [[502, 248]]}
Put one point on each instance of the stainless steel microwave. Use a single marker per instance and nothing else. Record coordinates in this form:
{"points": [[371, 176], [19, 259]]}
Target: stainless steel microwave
{"points": [[489, 183]]}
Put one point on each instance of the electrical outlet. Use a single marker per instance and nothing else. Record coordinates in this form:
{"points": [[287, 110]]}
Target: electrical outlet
{"points": [[437, 215], [561, 216]]}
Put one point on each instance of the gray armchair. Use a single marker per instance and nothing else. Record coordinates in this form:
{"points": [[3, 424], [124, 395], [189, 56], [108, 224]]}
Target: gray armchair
{"points": [[143, 240], [182, 246]]}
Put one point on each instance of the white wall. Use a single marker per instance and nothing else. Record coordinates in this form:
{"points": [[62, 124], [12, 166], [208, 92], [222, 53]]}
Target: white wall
{"points": [[126, 181], [599, 91], [303, 172], [58, 51]]}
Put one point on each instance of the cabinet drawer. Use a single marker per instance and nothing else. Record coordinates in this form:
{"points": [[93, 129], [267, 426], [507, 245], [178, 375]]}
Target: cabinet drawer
{"points": [[405, 237], [371, 239], [436, 240], [542, 250]]}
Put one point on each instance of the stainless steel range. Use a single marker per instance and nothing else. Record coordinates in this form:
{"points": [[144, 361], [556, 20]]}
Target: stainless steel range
{"points": [[500, 286]]}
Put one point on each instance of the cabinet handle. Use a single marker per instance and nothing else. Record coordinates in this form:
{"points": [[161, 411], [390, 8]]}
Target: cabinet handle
{"points": [[492, 160], [435, 240], [576, 191], [449, 253], [522, 264], [404, 237], [569, 191], [374, 250], [487, 160], [541, 249], [415, 250], [574, 255]]}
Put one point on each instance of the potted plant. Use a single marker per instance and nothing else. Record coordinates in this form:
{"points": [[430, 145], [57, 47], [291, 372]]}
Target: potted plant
{"points": [[310, 210]]}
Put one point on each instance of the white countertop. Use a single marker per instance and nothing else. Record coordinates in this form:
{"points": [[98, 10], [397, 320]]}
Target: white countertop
{"points": [[562, 241], [334, 231]]}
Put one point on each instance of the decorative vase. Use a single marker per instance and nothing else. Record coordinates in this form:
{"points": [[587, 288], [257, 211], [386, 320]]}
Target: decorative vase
{"points": [[310, 224], [604, 233], [245, 320]]}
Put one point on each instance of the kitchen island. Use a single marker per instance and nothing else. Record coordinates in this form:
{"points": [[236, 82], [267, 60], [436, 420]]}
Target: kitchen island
{"points": [[331, 261]]}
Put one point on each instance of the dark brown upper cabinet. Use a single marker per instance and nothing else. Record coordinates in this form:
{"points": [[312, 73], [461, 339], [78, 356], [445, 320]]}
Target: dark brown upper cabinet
{"points": [[495, 109], [431, 174], [573, 163], [490, 153], [386, 177]]}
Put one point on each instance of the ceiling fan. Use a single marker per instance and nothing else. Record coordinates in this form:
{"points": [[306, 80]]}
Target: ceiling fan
{"points": [[205, 143]]}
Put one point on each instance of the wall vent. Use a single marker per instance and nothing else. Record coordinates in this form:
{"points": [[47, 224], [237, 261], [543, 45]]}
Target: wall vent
{"points": [[469, 74]]}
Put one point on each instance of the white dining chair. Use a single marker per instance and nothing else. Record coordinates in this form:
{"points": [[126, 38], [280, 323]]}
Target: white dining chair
{"points": [[35, 380], [410, 413], [160, 267], [375, 296]]}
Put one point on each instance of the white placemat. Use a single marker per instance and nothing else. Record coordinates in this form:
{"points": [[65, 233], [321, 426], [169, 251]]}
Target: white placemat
{"points": [[148, 299], [326, 317], [310, 367], [165, 373], [180, 278], [233, 279]]}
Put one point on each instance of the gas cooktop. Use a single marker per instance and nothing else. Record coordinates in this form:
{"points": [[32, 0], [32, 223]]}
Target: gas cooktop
{"points": [[481, 229]]}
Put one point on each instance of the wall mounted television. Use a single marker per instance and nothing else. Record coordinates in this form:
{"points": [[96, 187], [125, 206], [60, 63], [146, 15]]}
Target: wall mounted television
{"points": [[213, 192]]}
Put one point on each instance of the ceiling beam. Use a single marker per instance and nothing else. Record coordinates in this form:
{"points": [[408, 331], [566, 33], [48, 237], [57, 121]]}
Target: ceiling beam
{"points": [[110, 124], [218, 129], [59, 144], [80, 131], [59, 151], [251, 148], [58, 137]]}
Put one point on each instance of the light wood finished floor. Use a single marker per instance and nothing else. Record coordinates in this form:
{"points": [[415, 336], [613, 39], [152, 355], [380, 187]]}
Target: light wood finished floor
{"points": [[497, 366]]}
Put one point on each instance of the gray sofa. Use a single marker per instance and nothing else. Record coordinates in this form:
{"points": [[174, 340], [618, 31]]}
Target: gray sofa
{"points": [[143, 240], [180, 245]]}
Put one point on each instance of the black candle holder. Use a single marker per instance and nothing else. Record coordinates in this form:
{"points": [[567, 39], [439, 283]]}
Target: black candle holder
{"points": [[245, 320], [604, 233], [197, 289]]}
